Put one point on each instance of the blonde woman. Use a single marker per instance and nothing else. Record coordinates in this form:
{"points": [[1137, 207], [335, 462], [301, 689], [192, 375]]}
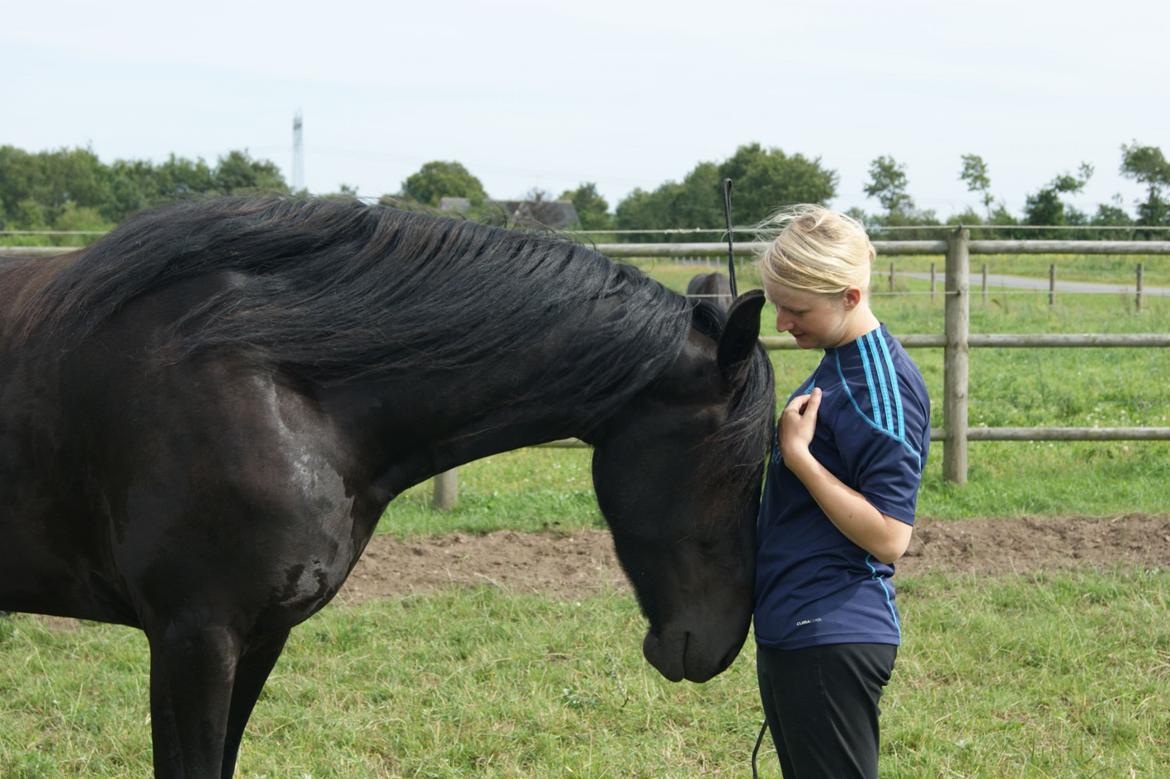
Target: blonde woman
{"points": [[839, 502]]}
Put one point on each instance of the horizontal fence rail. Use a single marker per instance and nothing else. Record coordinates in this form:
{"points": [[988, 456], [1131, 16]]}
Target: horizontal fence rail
{"points": [[1011, 341], [1067, 434], [994, 434], [38, 251], [753, 248]]}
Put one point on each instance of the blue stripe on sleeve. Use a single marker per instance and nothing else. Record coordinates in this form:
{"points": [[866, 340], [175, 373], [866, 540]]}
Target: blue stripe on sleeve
{"points": [[881, 382], [853, 401], [886, 591], [893, 384], [873, 403]]}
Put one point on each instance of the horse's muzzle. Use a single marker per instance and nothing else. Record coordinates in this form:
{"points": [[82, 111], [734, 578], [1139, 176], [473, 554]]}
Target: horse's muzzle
{"points": [[680, 654]]}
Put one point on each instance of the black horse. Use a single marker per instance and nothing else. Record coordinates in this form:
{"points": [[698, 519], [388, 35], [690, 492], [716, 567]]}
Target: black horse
{"points": [[204, 414]]}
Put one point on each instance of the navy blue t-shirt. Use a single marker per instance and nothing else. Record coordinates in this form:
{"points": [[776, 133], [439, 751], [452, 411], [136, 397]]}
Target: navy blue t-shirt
{"points": [[813, 585]]}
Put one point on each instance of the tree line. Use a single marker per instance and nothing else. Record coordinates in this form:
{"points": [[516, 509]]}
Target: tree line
{"points": [[71, 189]]}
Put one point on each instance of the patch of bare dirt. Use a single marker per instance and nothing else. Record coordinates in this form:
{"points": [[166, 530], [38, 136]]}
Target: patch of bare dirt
{"points": [[581, 563]]}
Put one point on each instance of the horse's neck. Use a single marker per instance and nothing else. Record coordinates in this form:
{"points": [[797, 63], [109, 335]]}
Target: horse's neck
{"points": [[427, 423]]}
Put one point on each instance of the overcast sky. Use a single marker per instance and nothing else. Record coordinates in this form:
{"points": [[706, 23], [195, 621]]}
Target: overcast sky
{"points": [[619, 92]]}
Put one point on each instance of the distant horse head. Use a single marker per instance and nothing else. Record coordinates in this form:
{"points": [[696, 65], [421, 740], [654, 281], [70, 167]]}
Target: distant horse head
{"points": [[677, 475], [714, 286]]}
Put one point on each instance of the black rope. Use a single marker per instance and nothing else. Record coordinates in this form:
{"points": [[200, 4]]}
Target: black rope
{"points": [[756, 751]]}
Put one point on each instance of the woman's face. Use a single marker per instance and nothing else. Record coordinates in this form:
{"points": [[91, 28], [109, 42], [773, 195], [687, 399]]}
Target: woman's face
{"points": [[815, 321]]}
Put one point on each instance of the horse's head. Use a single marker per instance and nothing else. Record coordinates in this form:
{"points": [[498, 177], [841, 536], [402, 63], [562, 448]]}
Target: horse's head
{"points": [[677, 473], [714, 286]]}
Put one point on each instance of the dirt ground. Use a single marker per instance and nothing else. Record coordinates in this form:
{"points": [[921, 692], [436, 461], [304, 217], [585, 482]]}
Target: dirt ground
{"points": [[581, 563]]}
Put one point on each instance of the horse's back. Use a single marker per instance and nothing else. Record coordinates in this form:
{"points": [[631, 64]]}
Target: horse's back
{"points": [[134, 475]]}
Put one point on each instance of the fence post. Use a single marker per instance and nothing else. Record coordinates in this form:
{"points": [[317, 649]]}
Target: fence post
{"points": [[956, 370], [985, 283], [932, 281], [1052, 284], [446, 492], [1137, 297], [891, 276]]}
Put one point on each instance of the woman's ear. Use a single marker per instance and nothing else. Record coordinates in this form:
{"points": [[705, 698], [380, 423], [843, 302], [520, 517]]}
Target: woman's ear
{"points": [[852, 296]]}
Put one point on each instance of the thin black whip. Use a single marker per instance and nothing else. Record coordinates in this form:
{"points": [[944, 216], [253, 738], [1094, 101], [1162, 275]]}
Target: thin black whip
{"points": [[730, 252]]}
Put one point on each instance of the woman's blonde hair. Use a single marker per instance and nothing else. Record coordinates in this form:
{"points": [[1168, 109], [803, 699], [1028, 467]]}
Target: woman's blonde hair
{"points": [[814, 249]]}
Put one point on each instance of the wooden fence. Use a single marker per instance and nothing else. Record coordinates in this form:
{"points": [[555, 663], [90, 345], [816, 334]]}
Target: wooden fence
{"points": [[956, 340]]}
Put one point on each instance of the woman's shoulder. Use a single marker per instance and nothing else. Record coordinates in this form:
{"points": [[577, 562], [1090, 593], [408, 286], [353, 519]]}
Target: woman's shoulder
{"points": [[880, 385]]}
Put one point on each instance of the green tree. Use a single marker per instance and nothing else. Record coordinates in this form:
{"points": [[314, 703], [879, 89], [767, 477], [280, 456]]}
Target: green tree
{"points": [[1045, 207], [1112, 215], [17, 204], [71, 176], [180, 177], [975, 175], [130, 187], [765, 179], [1109, 215], [887, 183], [439, 179], [236, 173], [592, 209], [636, 211], [66, 188], [28, 214], [51, 180], [1147, 165]]}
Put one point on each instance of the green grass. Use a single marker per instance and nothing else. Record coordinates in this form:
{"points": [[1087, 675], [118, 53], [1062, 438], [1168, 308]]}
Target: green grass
{"points": [[1047, 676]]}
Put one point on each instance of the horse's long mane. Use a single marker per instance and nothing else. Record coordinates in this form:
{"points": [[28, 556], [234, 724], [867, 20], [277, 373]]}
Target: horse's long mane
{"points": [[339, 291]]}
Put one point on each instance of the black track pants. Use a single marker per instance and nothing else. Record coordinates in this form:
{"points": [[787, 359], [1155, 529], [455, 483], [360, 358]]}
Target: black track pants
{"points": [[822, 707]]}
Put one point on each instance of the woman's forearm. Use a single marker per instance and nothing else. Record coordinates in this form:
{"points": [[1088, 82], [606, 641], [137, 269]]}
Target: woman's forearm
{"points": [[858, 520]]}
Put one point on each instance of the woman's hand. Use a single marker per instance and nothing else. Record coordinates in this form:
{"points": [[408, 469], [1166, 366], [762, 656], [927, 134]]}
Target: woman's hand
{"points": [[798, 421]]}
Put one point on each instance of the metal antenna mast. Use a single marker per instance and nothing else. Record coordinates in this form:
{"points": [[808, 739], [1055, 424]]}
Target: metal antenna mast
{"points": [[298, 162]]}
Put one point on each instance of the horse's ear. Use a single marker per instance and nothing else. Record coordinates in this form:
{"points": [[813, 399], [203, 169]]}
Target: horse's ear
{"points": [[741, 333]]}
